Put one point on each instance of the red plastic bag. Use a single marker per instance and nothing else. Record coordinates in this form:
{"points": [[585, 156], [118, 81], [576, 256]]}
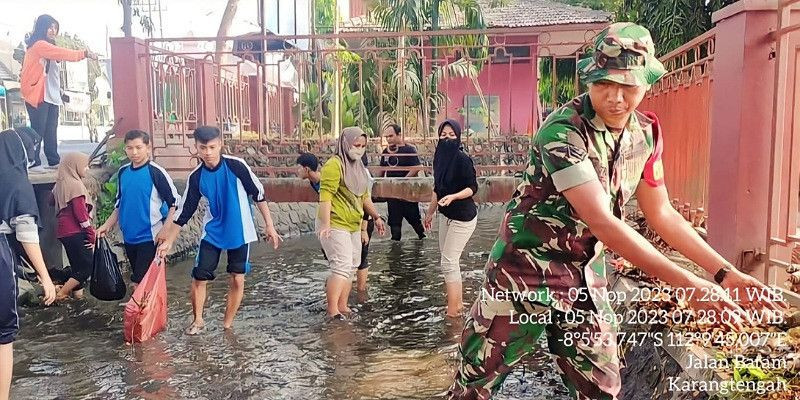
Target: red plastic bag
{"points": [[146, 311]]}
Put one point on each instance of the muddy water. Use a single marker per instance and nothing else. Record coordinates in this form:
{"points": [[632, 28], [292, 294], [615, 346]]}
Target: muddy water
{"points": [[398, 345]]}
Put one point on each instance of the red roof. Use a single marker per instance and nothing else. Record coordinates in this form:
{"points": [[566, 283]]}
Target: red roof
{"points": [[525, 13], [514, 14]]}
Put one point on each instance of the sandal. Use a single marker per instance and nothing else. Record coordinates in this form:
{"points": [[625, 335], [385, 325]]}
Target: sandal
{"points": [[337, 317], [194, 329]]}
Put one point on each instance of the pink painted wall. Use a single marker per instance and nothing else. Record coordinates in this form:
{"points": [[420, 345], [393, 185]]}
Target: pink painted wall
{"points": [[515, 84]]}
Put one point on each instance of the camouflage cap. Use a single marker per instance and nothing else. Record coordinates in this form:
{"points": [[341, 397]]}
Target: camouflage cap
{"points": [[623, 53]]}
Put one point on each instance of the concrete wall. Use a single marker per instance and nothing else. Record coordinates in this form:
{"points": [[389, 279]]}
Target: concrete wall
{"points": [[290, 219], [491, 189], [293, 206]]}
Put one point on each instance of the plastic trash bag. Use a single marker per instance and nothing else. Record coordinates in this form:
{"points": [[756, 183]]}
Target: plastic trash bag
{"points": [[146, 311], [106, 282]]}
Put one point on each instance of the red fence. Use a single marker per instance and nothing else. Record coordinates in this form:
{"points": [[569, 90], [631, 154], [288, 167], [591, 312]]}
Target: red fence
{"points": [[293, 97], [784, 185], [172, 91], [682, 101]]}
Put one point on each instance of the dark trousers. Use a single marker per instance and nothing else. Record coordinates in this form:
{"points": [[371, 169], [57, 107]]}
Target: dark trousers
{"points": [[140, 256], [365, 248], [9, 319], [399, 209], [80, 257], [44, 120]]}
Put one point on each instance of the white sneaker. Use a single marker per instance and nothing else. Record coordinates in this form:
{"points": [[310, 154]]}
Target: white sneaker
{"points": [[37, 170]]}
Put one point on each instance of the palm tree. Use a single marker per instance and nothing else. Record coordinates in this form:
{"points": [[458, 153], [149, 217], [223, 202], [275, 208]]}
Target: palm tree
{"points": [[408, 76], [388, 83]]}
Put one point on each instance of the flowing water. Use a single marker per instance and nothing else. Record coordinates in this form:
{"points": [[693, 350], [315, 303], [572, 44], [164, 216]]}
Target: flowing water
{"points": [[398, 345]]}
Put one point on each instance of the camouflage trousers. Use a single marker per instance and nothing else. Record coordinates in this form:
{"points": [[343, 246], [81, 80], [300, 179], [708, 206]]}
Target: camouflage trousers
{"points": [[497, 336]]}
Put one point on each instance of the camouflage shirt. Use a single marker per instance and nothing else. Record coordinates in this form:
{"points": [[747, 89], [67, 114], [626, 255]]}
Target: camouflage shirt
{"points": [[543, 246]]}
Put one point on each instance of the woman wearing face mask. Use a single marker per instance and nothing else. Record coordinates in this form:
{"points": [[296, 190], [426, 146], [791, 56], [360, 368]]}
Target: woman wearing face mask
{"points": [[455, 183], [344, 197]]}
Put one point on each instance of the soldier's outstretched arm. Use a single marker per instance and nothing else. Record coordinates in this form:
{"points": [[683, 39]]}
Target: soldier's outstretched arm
{"points": [[678, 233], [674, 229], [590, 201]]}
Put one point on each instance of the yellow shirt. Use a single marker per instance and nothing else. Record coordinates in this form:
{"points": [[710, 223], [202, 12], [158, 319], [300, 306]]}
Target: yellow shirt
{"points": [[347, 209]]}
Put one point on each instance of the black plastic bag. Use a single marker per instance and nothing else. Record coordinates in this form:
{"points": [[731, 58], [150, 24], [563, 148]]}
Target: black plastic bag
{"points": [[106, 282]]}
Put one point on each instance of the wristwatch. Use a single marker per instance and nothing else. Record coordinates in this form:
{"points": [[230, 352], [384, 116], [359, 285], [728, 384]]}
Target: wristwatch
{"points": [[721, 274]]}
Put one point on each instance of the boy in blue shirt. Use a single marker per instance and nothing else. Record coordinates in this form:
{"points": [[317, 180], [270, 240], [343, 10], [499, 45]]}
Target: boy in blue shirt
{"points": [[307, 168], [227, 183], [146, 198]]}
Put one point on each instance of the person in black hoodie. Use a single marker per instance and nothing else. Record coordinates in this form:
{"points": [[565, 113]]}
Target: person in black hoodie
{"points": [[19, 216], [455, 183]]}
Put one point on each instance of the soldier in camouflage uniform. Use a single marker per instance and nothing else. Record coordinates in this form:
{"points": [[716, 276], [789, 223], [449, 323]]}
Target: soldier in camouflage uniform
{"points": [[588, 159]]}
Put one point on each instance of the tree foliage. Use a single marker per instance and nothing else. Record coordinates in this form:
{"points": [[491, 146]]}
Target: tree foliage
{"points": [[324, 16], [565, 82], [408, 78], [671, 22], [388, 83]]}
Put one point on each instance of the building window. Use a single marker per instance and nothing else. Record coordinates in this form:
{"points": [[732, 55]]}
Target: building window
{"points": [[477, 118], [502, 55]]}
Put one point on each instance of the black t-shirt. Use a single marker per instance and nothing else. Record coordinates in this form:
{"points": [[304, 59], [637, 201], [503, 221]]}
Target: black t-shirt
{"points": [[389, 160], [463, 177]]}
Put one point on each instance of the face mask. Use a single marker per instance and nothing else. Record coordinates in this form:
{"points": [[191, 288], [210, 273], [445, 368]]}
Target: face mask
{"points": [[449, 144], [355, 153]]}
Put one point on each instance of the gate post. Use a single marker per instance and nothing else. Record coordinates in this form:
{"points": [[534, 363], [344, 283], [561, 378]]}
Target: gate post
{"points": [[741, 125], [255, 113], [129, 82], [207, 93]]}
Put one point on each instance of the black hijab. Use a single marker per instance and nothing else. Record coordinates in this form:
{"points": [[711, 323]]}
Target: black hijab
{"points": [[40, 27], [43, 23], [29, 140], [16, 197], [447, 156]]}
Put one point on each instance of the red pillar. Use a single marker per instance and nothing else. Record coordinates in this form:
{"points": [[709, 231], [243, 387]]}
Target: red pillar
{"points": [[129, 83], [741, 124], [287, 103], [255, 114], [207, 98]]}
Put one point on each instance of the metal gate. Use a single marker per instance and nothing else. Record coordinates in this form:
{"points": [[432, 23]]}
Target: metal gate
{"points": [[487, 78], [784, 186]]}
